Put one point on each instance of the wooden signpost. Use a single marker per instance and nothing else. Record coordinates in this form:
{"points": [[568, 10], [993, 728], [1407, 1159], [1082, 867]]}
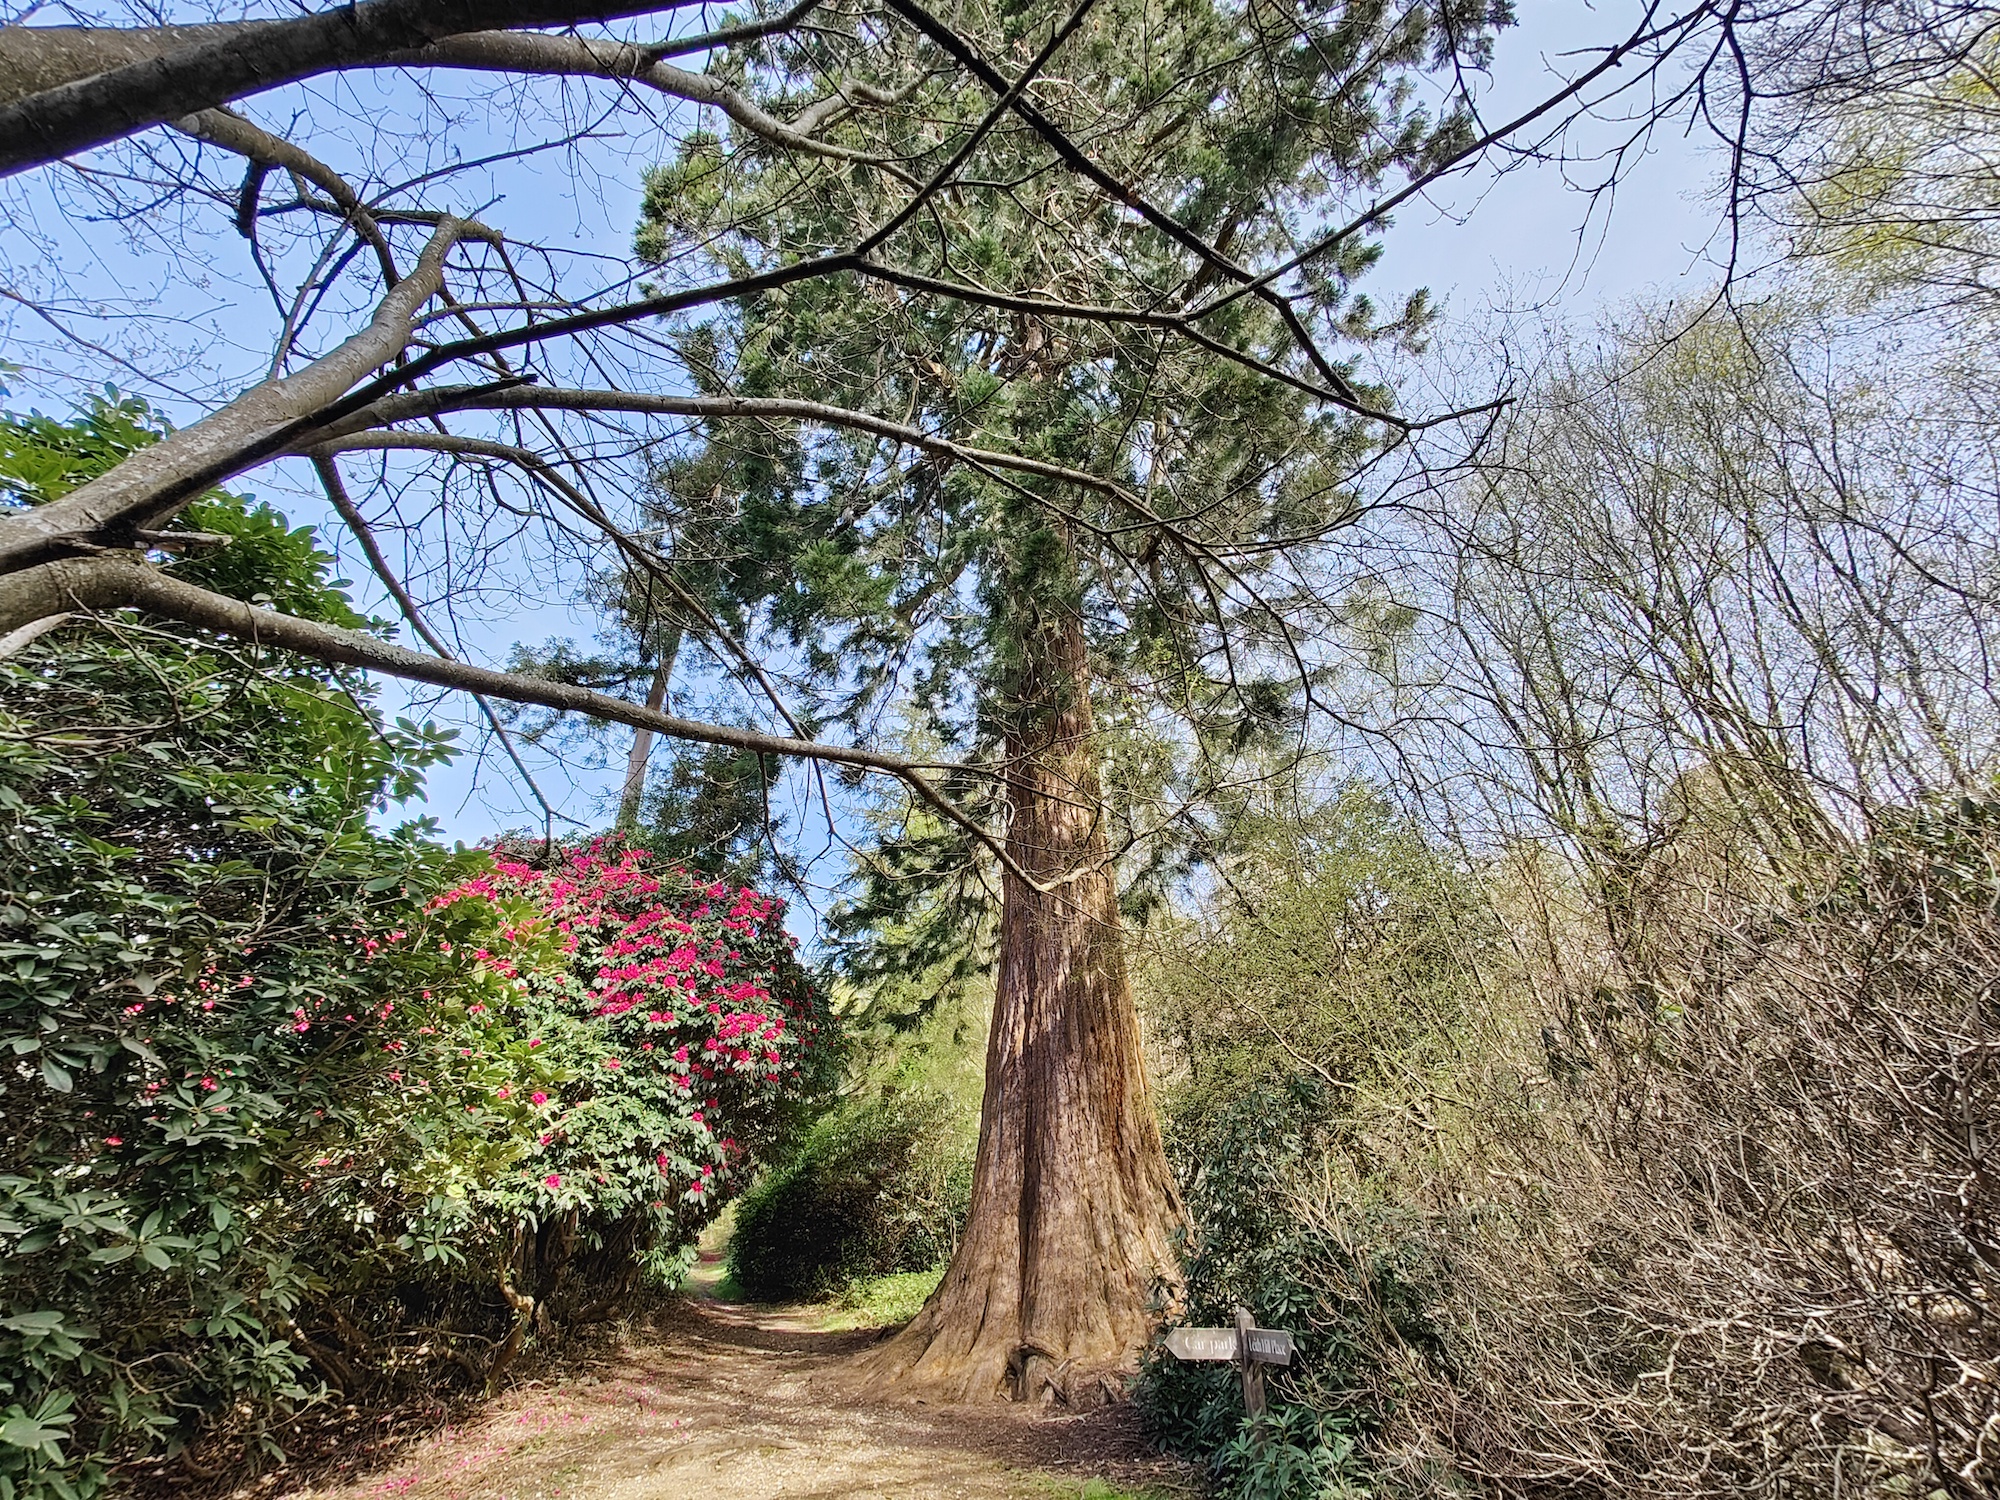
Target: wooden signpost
{"points": [[1249, 1346]]}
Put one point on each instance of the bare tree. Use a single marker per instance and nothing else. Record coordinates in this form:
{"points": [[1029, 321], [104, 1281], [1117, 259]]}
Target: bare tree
{"points": [[1867, 143], [1698, 665], [1747, 564]]}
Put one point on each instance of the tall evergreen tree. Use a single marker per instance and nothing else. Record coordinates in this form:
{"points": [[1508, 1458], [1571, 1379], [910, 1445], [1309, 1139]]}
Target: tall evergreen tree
{"points": [[1024, 615]]}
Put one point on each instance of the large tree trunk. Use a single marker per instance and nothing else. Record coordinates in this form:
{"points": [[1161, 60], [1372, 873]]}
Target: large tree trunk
{"points": [[1050, 1295]]}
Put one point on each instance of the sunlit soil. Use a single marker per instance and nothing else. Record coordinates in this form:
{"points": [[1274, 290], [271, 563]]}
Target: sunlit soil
{"points": [[722, 1400]]}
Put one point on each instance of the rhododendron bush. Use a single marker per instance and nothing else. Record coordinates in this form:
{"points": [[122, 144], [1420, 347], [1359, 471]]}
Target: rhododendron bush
{"points": [[299, 1108], [659, 1031], [295, 1110]]}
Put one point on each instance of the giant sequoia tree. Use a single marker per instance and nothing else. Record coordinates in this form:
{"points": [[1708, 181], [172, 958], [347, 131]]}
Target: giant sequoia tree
{"points": [[1016, 344], [1170, 586]]}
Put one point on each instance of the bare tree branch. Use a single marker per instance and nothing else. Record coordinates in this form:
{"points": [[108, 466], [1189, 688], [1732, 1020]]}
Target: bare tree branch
{"points": [[336, 494], [125, 581], [21, 637], [1645, 34], [230, 131], [730, 36], [144, 488], [351, 433], [546, 473], [73, 88], [585, 57]]}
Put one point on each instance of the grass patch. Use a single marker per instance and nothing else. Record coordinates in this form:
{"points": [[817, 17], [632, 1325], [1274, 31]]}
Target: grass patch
{"points": [[710, 1280], [882, 1301], [1062, 1487]]}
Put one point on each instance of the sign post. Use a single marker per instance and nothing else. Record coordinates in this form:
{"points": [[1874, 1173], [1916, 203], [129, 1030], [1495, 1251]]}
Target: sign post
{"points": [[1248, 1365], [1249, 1347]]}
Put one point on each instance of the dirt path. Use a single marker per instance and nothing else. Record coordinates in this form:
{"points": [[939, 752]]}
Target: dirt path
{"points": [[720, 1401]]}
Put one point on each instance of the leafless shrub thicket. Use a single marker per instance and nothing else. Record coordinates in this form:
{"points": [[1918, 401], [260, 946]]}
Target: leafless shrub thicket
{"points": [[1705, 1204], [1738, 1241]]}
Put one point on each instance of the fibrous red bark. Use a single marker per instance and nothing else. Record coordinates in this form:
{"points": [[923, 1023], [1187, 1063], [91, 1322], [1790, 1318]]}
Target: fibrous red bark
{"points": [[1069, 1239]]}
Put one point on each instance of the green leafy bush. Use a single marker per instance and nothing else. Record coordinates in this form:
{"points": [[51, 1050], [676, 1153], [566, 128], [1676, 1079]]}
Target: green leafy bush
{"points": [[879, 1185], [1342, 958], [1242, 1168], [193, 1026], [295, 1104], [187, 861], [252, 1145], [1341, 942]]}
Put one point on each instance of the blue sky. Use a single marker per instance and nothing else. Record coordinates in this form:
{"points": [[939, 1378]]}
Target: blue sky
{"points": [[1532, 235]]}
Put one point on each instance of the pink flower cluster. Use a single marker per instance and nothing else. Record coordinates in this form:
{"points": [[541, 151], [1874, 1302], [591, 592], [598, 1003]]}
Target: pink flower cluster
{"points": [[683, 1010]]}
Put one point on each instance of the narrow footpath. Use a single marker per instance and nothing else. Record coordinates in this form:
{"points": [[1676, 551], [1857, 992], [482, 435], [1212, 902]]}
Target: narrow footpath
{"points": [[717, 1400]]}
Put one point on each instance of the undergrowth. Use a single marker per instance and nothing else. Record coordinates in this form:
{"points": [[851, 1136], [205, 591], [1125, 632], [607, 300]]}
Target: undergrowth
{"points": [[1694, 1203]]}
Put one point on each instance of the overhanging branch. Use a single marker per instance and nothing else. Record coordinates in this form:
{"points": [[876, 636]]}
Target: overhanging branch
{"points": [[125, 581], [149, 485], [336, 493], [118, 81], [438, 401], [533, 52]]}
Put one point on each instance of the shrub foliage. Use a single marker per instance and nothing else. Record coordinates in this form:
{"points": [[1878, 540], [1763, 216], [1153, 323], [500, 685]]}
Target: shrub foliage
{"points": [[294, 1105], [879, 1185], [1341, 957], [1695, 1201]]}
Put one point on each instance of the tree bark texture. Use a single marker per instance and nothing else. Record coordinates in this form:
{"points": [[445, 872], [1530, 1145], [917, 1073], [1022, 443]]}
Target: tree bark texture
{"points": [[1051, 1293]]}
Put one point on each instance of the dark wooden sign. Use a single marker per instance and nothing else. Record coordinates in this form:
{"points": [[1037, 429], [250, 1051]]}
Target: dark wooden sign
{"points": [[1249, 1346]]}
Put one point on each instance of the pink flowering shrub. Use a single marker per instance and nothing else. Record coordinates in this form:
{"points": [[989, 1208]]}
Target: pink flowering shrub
{"points": [[644, 1034]]}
